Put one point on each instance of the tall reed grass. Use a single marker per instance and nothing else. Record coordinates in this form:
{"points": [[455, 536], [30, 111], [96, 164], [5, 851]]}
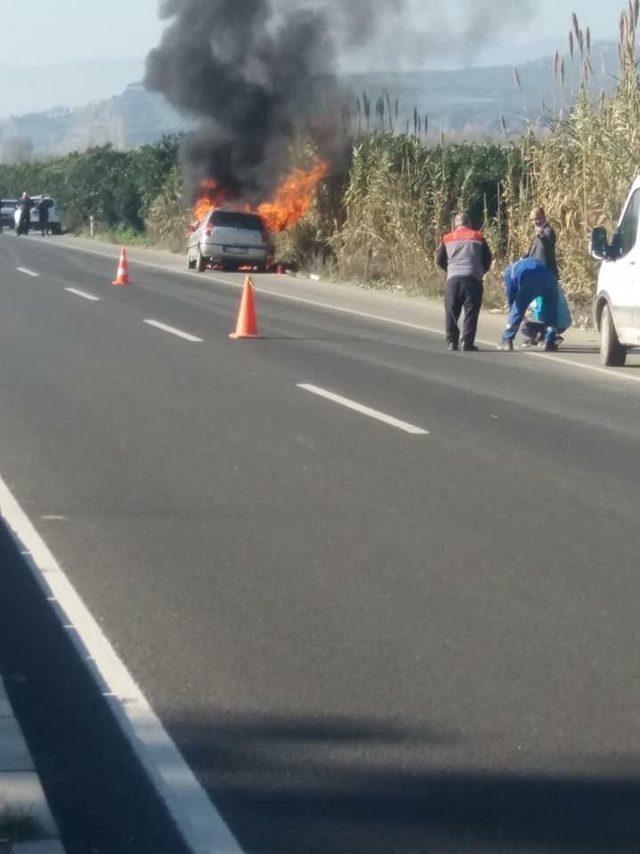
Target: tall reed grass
{"points": [[400, 192]]}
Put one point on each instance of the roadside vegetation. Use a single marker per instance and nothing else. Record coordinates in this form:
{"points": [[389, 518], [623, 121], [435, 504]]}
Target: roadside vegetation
{"points": [[379, 223], [17, 827]]}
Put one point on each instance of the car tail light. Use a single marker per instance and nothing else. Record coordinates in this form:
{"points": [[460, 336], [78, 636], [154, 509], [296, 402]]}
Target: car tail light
{"points": [[209, 229]]}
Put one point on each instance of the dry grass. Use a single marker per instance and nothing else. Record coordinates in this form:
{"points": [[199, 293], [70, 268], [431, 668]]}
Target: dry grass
{"points": [[582, 171], [17, 826]]}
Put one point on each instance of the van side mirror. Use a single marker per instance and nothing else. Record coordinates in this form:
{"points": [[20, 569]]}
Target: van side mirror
{"points": [[599, 247]]}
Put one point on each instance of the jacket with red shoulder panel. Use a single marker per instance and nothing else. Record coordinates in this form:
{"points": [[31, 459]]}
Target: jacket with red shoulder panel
{"points": [[464, 253]]}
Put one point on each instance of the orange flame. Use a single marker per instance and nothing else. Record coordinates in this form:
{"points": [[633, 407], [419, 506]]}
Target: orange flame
{"points": [[291, 201], [293, 198], [212, 196]]}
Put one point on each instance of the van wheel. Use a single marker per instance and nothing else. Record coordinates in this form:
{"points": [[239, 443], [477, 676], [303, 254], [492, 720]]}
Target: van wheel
{"points": [[612, 353], [190, 262], [200, 262]]}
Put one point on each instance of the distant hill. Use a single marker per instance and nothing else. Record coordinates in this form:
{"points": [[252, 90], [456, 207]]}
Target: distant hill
{"points": [[466, 102], [125, 121], [471, 101], [63, 84]]}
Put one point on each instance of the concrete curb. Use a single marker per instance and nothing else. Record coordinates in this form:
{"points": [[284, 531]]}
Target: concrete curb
{"points": [[21, 791]]}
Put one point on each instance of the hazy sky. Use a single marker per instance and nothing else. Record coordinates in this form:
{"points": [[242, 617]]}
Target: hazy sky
{"points": [[39, 32]]}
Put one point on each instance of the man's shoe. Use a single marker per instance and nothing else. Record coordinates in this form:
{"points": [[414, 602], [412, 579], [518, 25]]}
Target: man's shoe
{"points": [[452, 346], [469, 348], [507, 345]]}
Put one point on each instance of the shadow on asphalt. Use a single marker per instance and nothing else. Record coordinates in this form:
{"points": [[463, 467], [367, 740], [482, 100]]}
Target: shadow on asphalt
{"points": [[286, 785], [97, 791], [289, 785]]}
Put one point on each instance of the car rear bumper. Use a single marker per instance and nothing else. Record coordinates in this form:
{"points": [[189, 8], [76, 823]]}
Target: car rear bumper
{"points": [[216, 252]]}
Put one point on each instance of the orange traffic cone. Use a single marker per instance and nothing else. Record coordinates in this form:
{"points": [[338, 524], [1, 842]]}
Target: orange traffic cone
{"points": [[122, 279], [247, 325]]}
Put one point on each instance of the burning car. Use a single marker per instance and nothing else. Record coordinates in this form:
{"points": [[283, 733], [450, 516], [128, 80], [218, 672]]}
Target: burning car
{"points": [[229, 239], [240, 238]]}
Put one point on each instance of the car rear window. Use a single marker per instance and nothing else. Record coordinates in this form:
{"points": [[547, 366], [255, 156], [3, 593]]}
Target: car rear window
{"points": [[233, 219]]}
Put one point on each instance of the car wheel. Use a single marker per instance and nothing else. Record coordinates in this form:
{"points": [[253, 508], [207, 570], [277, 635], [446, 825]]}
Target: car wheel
{"points": [[200, 262], [612, 353], [190, 261]]}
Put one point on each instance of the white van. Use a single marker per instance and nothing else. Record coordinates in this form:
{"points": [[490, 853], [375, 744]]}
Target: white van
{"points": [[617, 302]]}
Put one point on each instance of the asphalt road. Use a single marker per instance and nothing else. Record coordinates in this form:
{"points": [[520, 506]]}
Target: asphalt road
{"points": [[361, 639]]}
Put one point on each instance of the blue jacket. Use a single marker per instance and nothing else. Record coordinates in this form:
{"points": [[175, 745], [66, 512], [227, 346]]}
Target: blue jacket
{"points": [[538, 311], [526, 270]]}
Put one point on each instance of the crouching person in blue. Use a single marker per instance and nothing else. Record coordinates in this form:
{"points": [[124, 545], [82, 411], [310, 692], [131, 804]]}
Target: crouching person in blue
{"points": [[524, 282], [534, 328]]}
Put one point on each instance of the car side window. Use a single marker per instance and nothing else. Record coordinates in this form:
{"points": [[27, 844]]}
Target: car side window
{"points": [[628, 228]]}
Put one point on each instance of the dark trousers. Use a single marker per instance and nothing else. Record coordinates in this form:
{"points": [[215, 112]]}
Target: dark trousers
{"points": [[463, 292], [535, 331]]}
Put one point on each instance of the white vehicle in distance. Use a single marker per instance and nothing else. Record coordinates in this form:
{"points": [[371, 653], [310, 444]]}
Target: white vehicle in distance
{"points": [[616, 308], [7, 213], [229, 239]]}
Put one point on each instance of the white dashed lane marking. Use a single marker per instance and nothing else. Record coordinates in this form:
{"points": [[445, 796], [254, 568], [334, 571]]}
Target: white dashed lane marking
{"points": [[173, 331], [364, 410], [82, 294]]}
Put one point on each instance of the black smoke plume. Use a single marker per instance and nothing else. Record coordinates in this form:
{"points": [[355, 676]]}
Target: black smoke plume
{"points": [[255, 73]]}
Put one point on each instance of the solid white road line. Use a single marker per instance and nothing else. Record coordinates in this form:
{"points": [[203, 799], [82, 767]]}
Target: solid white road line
{"points": [[201, 825], [612, 373], [364, 410], [173, 331], [27, 272], [82, 294]]}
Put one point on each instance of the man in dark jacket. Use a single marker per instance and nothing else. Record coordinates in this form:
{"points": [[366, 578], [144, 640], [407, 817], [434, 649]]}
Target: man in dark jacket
{"points": [[543, 245], [43, 211], [466, 258]]}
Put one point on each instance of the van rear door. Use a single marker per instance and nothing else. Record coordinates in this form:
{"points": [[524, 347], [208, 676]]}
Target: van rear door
{"points": [[620, 277]]}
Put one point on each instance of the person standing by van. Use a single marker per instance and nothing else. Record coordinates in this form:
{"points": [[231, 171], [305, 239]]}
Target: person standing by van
{"points": [[465, 257], [43, 212], [24, 209], [543, 245]]}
